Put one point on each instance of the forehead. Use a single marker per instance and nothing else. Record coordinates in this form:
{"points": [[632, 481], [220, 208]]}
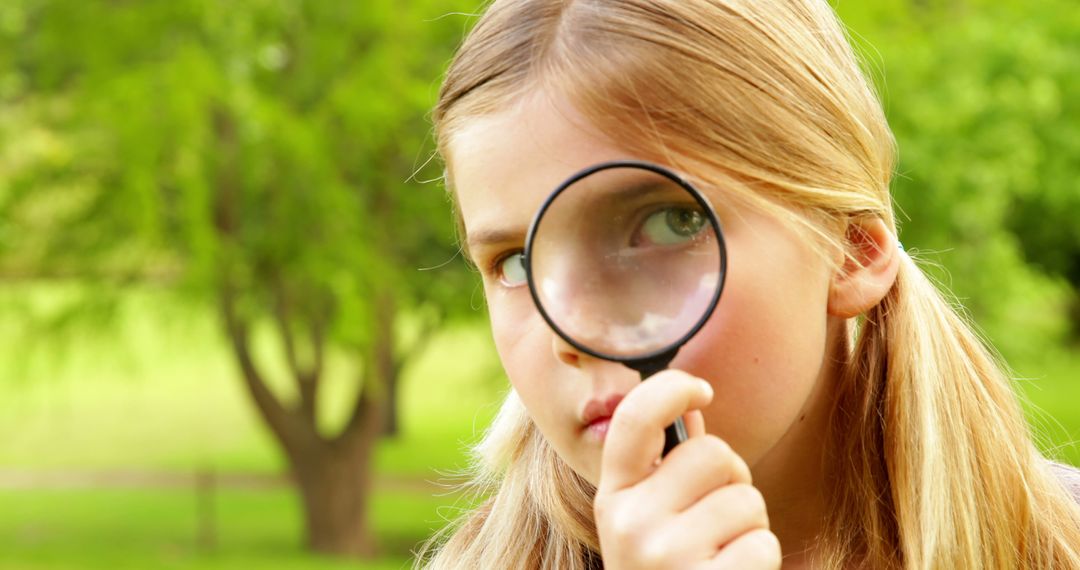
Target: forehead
{"points": [[503, 165]]}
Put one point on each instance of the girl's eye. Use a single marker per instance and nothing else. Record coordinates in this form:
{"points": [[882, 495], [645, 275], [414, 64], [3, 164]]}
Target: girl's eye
{"points": [[511, 269], [673, 225]]}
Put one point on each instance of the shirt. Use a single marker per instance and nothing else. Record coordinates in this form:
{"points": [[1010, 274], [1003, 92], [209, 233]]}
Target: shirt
{"points": [[1069, 477]]}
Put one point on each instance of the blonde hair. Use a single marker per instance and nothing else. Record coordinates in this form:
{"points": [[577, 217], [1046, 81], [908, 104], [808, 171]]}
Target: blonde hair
{"points": [[931, 459]]}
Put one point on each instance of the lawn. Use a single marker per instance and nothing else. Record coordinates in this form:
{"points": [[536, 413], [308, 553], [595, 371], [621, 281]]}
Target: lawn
{"points": [[140, 529]]}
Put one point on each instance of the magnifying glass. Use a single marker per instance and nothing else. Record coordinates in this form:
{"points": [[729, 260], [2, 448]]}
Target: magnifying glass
{"points": [[625, 261]]}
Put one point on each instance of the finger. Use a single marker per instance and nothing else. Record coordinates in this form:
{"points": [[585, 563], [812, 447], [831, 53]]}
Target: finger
{"points": [[718, 519], [694, 469], [695, 423], [636, 433], [728, 512], [758, 549]]}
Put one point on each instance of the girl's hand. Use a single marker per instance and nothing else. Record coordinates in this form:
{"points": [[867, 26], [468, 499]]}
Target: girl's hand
{"points": [[696, 508]]}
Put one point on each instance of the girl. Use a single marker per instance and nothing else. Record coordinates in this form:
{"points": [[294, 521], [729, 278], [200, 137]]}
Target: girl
{"points": [[840, 411]]}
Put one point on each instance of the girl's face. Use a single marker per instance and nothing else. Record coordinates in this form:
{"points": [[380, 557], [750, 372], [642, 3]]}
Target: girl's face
{"points": [[762, 349]]}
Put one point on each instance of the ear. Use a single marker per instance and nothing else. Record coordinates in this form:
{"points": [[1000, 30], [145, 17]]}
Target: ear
{"points": [[868, 270]]}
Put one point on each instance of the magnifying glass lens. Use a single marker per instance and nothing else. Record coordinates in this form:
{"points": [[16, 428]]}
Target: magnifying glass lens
{"points": [[626, 262]]}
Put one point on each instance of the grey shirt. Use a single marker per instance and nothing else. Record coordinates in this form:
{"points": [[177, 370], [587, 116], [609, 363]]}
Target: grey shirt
{"points": [[1069, 477]]}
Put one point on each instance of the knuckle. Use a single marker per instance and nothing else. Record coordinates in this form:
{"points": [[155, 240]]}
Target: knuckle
{"points": [[749, 496], [715, 454], [652, 552], [731, 462], [615, 522], [765, 547], [626, 533], [756, 549], [718, 447], [750, 501]]}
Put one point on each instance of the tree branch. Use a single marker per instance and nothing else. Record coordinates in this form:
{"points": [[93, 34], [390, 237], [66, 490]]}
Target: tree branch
{"points": [[305, 379], [378, 370], [281, 318], [276, 415], [318, 349]]}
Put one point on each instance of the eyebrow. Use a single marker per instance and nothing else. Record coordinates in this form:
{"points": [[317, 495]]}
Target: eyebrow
{"points": [[636, 189], [493, 236]]}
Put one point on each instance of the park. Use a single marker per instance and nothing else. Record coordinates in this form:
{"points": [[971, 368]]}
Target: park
{"points": [[236, 326]]}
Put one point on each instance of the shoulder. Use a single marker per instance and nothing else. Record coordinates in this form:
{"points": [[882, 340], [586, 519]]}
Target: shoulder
{"points": [[1069, 477]]}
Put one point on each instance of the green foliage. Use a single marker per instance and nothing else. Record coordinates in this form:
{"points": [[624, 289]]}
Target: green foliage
{"points": [[984, 98], [274, 144]]}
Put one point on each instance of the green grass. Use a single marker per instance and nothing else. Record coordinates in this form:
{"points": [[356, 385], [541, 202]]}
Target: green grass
{"points": [[141, 529]]}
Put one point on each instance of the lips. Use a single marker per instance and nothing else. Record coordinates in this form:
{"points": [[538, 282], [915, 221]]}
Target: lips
{"points": [[598, 411]]}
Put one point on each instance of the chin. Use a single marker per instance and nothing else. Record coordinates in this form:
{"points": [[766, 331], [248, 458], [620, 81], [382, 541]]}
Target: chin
{"points": [[587, 468]]}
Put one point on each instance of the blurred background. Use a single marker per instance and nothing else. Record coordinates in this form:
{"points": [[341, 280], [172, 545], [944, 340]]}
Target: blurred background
{"points": [[235, 331]]}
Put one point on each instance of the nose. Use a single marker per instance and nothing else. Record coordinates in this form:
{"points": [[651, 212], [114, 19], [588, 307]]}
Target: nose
{"points": [[565, 352]]}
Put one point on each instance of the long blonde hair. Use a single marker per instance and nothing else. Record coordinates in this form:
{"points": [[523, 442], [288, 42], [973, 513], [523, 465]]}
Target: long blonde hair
{"points": [[931, 459]]}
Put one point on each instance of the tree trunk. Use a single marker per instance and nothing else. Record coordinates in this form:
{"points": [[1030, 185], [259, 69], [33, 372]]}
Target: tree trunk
{"points": [[390, 427], [385, 365], [334, 485]]}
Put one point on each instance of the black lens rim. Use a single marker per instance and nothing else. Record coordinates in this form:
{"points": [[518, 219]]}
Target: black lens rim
{"points": [[702, 201]]}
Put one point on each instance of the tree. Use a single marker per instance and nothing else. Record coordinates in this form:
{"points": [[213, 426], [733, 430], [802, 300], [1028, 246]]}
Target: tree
{"points": [[264, 157], [984, 97]]}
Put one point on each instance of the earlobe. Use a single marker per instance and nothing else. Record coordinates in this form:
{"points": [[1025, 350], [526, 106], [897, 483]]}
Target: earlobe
{"points": [[868, 270]]}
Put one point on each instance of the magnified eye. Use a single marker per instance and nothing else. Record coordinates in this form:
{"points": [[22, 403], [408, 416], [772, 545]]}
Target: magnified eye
{"points": [[673, 225], [511, 269]]}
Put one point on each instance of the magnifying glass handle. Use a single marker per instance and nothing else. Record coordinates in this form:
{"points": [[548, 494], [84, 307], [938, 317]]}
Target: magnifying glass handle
{"points": [[674, 434]]}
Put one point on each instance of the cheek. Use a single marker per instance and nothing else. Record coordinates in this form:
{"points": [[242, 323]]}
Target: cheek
{"points": [[524, 343], [762, 349], [518, 333]]}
